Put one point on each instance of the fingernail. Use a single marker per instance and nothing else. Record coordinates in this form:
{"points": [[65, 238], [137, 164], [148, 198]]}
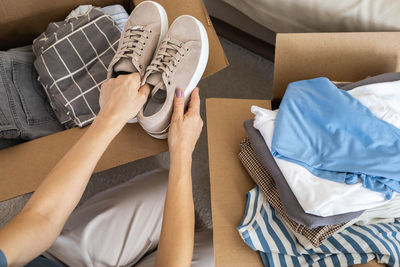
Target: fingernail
{"points": [[178, 92]]}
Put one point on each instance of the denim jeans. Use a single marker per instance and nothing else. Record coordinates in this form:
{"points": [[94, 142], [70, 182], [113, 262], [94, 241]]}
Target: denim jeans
{"points": [[4, 143], [25, 112]]}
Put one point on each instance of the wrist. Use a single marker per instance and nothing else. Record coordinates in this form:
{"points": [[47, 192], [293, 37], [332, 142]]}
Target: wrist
{"points": [[107, 124], [114, 120], [180, 158], [180, 166]]}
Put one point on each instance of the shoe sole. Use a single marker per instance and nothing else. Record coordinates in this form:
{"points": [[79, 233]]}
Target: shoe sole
{"points": [[198, 73], [164, 22], [163, 32], [201, 66]]}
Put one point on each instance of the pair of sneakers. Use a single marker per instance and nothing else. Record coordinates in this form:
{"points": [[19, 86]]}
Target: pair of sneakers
{"points": [[166, 59]]}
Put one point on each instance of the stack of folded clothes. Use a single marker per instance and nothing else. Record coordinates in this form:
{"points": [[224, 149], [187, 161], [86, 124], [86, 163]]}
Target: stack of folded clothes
{"points": [[55, 83], [327, 169], [72, 57]]}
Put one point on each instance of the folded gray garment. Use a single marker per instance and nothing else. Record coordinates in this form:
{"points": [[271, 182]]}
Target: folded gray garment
{"points": [[289, 201], [386, 77], [72, 57]]}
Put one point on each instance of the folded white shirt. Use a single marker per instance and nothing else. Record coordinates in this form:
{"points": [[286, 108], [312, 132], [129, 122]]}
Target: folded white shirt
{"points": [[382, 99], [386, 213], [323, 197]]}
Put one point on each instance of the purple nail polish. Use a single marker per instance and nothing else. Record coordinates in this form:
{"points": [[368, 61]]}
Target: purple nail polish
{"points": [[178, 92]]}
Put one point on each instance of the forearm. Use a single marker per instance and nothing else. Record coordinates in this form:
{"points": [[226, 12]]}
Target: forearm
{"points": [[65, 184], [177, 235], [43, 217]]}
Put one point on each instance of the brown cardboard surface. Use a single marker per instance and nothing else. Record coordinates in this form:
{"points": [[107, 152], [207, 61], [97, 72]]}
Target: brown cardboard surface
{"points": [[22, 21], [216, 59], [24, 166], [338, 56], [229, 181]]}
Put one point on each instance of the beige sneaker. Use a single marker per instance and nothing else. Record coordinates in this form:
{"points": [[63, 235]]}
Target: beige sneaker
{"points": [[143, 32], [179, 62]]}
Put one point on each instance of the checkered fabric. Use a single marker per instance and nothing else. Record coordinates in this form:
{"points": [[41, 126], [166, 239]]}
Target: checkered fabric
{"points": [[72, 60], [266, 183]]}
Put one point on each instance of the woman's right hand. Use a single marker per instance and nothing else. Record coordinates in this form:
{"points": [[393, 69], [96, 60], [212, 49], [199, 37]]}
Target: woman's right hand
{"points": [[185, 128], [121, 98]]}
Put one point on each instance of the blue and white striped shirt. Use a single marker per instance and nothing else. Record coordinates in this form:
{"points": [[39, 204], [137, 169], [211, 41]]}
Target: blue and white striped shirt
{"points": [[118, 14], [263, 230]]}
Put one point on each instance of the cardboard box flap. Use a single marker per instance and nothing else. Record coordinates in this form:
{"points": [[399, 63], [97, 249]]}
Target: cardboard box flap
{"points": [[23, 20], [229, 181], [338, 56], [216, 59], [24, 166]]}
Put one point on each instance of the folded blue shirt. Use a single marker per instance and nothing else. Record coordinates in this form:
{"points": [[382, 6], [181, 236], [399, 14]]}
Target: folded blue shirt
{"points": [[335, 137]]}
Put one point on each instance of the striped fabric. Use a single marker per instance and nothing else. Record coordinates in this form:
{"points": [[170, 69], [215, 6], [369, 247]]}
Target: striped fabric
{"points": [[263, 230], [264, 180], [118, 14], [3, 260]]}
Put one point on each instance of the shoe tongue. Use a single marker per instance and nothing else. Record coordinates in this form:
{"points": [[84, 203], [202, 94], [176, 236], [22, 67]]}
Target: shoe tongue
{"points": [[124, 65], [154, 79], [159, 92]]}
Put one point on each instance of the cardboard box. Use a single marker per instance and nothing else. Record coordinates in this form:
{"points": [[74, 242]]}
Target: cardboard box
{"points": [[346, 57], [229, 181], [338, 56], [23, 167]]}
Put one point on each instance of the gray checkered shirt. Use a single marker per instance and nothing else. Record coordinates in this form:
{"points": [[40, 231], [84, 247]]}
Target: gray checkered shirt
{"points": [[72, 60]]}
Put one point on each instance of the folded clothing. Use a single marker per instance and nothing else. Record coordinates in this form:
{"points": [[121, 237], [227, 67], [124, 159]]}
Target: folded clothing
{"points": [[72, 60], [116, 12], [386, 77], [387, 213], [25, 112], [316, 196], [4, 143], [307, 189], [263, 178], [382, 99], [263, 230], [381, 78], [342, 148], [324, 197]]}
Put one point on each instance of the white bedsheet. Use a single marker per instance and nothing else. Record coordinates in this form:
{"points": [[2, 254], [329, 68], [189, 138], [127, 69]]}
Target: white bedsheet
{"points": [[322, 15]]}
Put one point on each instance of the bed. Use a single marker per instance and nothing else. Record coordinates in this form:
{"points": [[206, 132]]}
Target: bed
{"points": [[261, 19]]}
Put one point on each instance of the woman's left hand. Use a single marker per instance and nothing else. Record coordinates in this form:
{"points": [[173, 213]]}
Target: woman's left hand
{"points": [[185, 128]]}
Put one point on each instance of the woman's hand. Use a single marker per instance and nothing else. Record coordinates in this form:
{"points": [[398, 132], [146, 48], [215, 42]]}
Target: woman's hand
{"points": [[177, 235], [121, 98], [185, 128]]}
